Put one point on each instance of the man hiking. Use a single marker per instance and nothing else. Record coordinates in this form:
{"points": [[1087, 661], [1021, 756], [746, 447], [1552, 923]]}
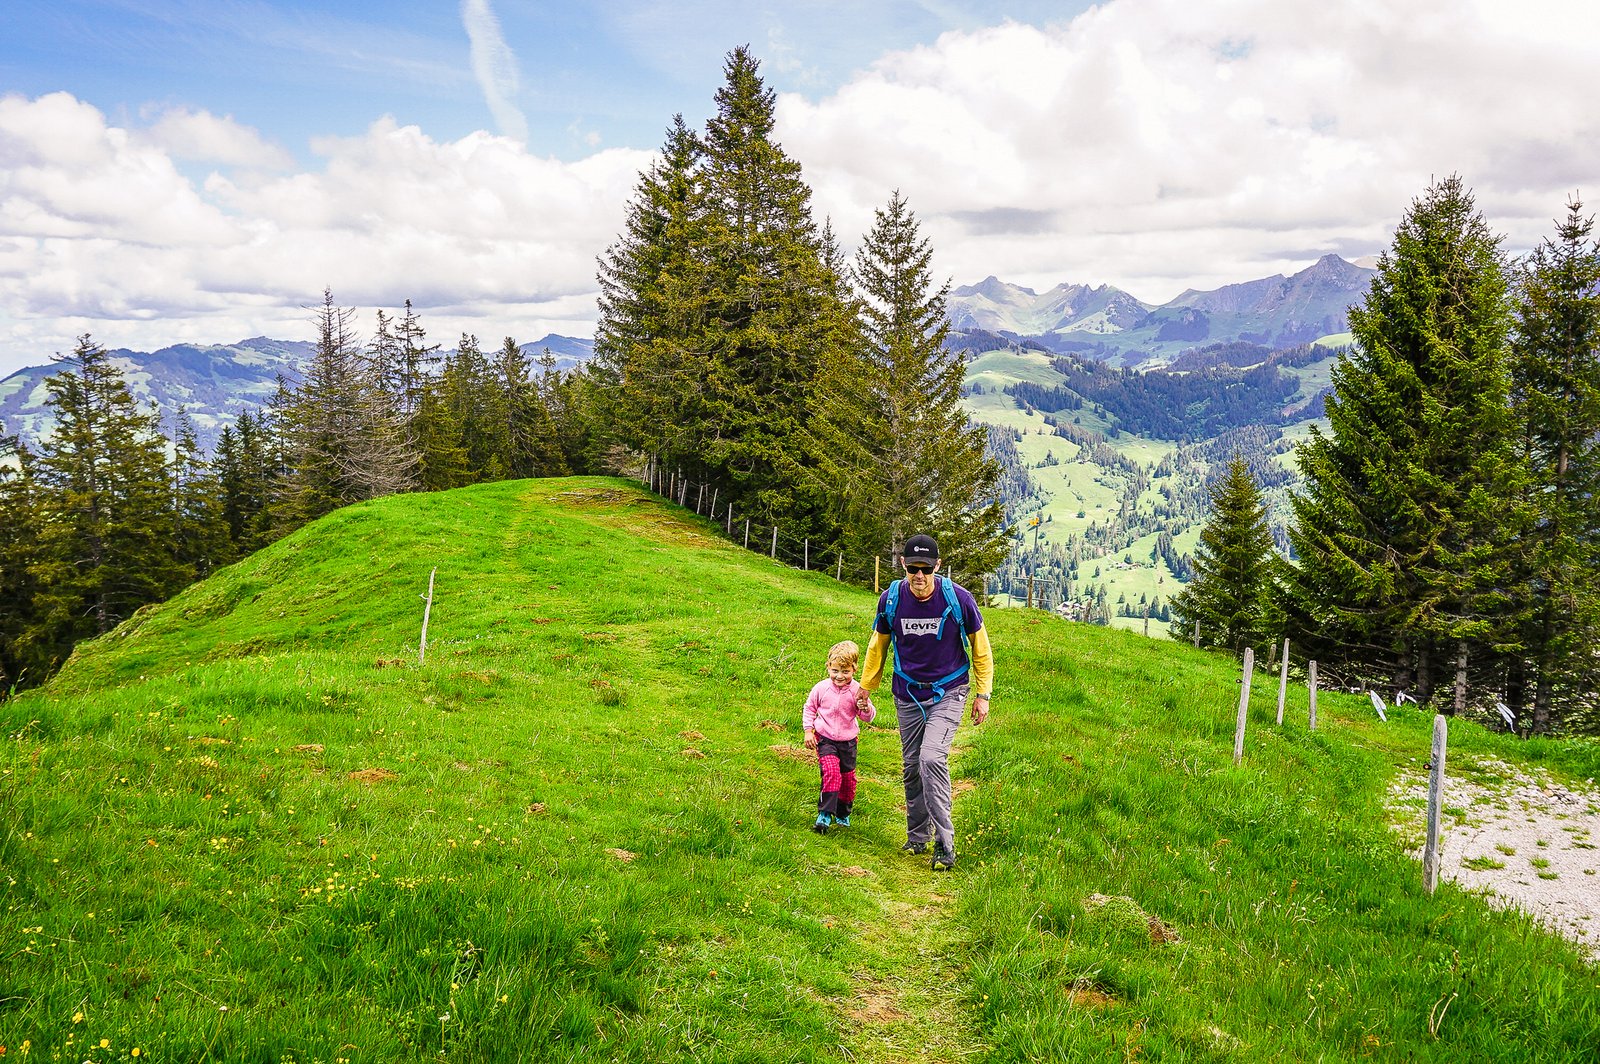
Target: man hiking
{"points": [[928, 629]]}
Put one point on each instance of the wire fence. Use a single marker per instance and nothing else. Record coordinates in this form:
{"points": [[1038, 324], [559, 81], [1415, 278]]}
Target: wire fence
{"points": [[764, 535]]}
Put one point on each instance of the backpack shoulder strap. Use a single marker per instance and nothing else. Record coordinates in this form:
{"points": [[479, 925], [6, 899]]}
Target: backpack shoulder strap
{"points": [[949, 588], [891, 605]]}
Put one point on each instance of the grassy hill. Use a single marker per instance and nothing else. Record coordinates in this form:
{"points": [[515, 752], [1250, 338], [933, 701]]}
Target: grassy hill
{"points": [[247, 826]]}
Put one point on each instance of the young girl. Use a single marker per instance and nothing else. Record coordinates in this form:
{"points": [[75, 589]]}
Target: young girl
{"points": [[832, 722]]}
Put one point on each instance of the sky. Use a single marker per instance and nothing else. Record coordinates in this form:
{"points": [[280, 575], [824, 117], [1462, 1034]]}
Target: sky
{"points": [[201, 170]]}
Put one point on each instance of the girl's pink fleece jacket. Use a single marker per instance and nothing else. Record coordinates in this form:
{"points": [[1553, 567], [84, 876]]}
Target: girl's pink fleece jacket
{"points": [[832, 712]]}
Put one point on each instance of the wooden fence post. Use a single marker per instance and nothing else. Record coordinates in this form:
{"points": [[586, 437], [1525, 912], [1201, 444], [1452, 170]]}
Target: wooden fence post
{"points": [[1030, 591], [713, 511], [1244, 704], [422, 644], [839, 573], [746, 533], [1430, 852], [1283, 680], [774, 542], [805, 557], [1197, 633], [1311, 667], [876, 583], [730, 519]]}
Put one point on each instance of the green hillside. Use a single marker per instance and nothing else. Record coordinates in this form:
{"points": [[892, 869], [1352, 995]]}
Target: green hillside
{"points": [[1083, 498], [248, 826]]}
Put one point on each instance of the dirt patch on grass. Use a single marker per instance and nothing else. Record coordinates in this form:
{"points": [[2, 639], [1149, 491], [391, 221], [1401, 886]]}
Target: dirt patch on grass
{"points": [[876, 1003], [371, 776], [792, 753], [692, 736], [622, 855], [1518, 837], [693, 754], [1090, 998], [593, 496], [770, 725]]}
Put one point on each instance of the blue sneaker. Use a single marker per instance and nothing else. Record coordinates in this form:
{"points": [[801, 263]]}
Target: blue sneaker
{"points": [[822, 824], [842, 821]]}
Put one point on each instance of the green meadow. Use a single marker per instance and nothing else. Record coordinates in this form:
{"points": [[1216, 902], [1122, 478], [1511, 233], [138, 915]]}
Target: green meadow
{"points": [[249, 826]]}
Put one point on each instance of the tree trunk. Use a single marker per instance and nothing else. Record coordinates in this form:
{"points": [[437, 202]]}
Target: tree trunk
{"points": [[1461, 679], [1424, 675], [1541, 705]]}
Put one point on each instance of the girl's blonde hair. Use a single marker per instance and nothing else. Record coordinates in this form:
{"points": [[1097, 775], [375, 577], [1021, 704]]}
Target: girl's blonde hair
{"points": [[844, 654]]}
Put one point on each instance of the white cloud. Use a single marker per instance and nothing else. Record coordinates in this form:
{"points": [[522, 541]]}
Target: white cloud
{"points": [[495, 67], [200, 136], [101, 232], [1159, 144]]}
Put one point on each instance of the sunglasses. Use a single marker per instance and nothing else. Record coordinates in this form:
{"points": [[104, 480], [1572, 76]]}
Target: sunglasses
{"points": [[920, 570]]}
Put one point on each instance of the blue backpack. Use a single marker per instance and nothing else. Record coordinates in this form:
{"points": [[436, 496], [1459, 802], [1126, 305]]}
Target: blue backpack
{"points": [[952, 608]]}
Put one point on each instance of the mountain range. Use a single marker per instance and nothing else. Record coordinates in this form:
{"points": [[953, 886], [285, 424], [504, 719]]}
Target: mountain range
{"points": [[1106, 324], [213, 383]]}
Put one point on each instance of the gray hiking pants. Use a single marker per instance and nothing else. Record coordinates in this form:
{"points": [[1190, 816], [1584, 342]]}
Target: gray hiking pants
{"points": [[925, 765]]}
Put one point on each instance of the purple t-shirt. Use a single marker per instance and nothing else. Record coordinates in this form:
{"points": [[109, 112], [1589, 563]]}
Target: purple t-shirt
{"points": [[924, 655]]}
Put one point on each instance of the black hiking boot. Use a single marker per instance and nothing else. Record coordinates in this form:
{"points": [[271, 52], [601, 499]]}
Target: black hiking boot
{"points": [[943, 859], [915, 849]]}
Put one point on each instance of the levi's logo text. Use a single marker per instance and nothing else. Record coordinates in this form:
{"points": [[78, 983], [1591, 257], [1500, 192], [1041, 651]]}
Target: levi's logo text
{"points": [[919, 627]]}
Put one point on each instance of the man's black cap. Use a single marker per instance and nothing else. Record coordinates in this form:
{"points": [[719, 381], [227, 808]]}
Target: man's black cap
{"points": [[921, 549]]}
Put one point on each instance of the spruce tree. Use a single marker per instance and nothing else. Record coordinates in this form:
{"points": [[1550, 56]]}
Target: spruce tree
{"points": [[888, 420], [1407, 523], [647, 369], [201, 540], [774, 316], [1556, 395], [105, 544], [528, 436], [345, 437], [245, 472], [718, 311], [469, 394], [19, 533], [1233, 593]]}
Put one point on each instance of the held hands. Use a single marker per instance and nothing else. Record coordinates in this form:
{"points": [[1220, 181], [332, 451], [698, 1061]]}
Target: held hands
{"points": [[863, 701]]}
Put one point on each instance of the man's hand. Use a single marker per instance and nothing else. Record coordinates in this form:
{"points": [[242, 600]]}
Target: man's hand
{"points": [[811, 739], [980, 709], [863, 700]]}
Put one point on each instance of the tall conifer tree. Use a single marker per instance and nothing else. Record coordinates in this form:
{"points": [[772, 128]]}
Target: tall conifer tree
{"points": [[888, 418], [105, 543], [19, 533], [774, 316], [201, 542], [1405, 529], [1556, 374], [648, 363]]}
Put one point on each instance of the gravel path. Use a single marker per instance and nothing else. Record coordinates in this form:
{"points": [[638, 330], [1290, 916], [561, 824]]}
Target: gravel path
{"points": [[1518, 837]]}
